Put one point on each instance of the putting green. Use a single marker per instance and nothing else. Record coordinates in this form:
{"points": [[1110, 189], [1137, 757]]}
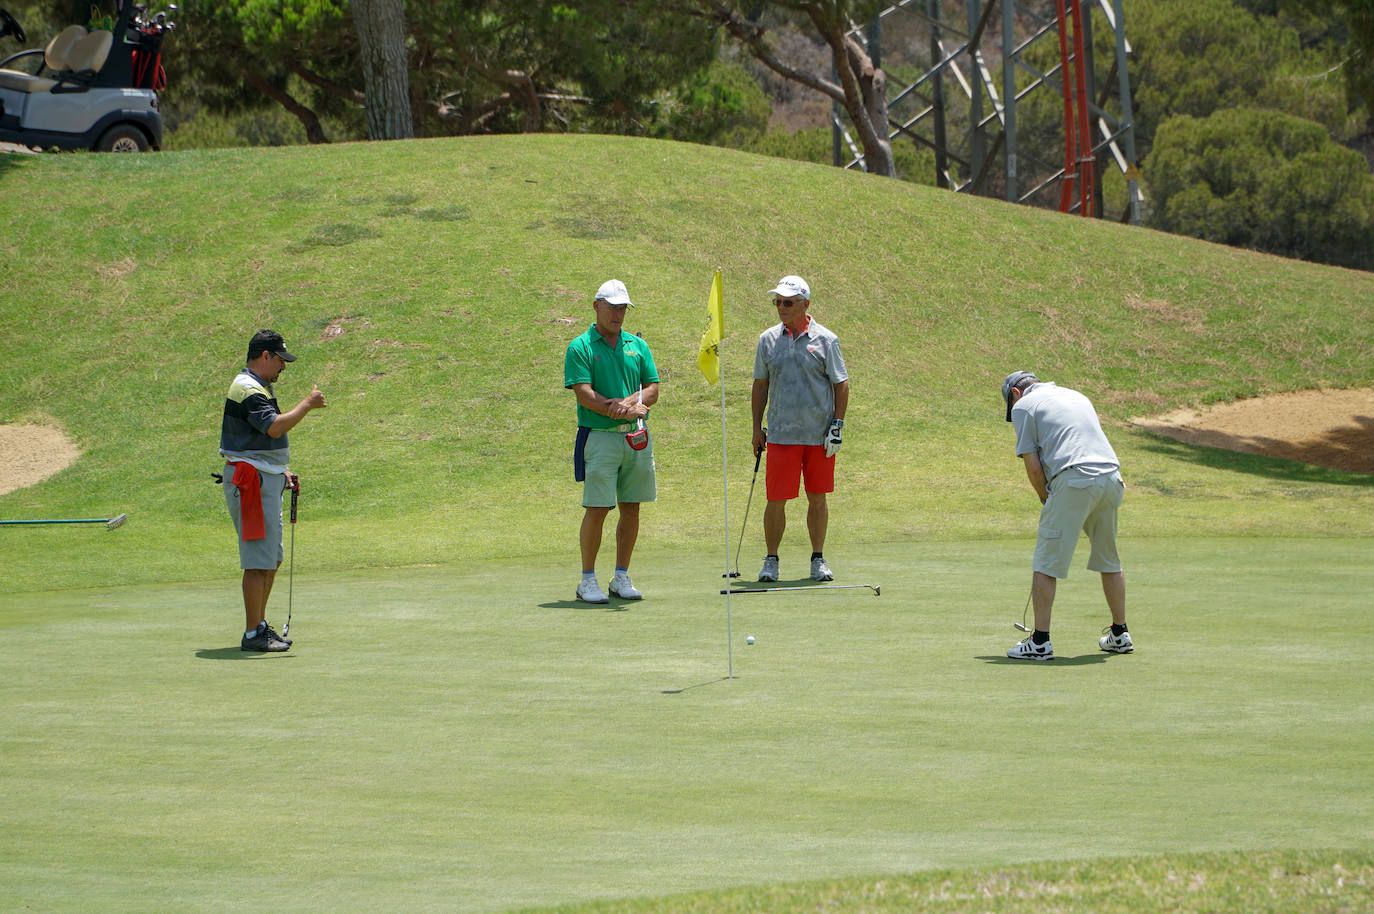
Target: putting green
{"points": [[474, 740]]}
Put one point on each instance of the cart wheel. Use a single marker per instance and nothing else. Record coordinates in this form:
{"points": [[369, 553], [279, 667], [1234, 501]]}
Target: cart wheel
{"points": [[122, 138]]}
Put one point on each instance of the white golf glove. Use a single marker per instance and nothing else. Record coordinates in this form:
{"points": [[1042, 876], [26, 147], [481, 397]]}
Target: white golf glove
{"points": [[832, 438]]}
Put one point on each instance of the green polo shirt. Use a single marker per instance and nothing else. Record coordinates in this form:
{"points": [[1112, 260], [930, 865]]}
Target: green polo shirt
{"points": [[613, 371]]}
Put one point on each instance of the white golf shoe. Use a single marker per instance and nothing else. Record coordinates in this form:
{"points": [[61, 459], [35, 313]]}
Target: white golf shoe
{"points": [[1029, 650], [588, 591], [769, 572], [820, 571], [1117, 644], [622, 587]]}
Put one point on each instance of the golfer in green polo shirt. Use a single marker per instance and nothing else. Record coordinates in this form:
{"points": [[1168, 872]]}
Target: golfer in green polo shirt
{"points": [[612, 374]]}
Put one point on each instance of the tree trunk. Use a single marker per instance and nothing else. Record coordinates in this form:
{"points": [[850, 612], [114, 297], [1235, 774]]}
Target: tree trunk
{"points": [[381, 39], [862, 89], [865, 97], [309, 120]]}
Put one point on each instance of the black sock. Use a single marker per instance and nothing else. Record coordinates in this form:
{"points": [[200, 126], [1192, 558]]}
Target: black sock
{"points": [[1118, 630], [1039, 637], [816, 555], [771, 555]]}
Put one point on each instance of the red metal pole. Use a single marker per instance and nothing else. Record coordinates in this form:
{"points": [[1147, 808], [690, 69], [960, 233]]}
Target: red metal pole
{"points": [[1070, 146]]}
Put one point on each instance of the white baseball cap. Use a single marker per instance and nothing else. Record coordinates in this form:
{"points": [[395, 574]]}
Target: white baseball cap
{"points": [[791, 287], [612, 292]]}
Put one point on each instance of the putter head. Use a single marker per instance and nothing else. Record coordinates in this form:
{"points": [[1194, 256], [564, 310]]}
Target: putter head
{"points": [[730, 574], [1019, 627], [114, 522], [877, 590]]}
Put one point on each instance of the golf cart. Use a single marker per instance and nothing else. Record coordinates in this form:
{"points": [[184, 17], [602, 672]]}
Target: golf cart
{"points": [[93, 89]]}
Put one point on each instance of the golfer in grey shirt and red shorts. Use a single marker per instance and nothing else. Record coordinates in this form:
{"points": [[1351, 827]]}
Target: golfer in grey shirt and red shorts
{"points": [[1073, 468], [799, 375]]}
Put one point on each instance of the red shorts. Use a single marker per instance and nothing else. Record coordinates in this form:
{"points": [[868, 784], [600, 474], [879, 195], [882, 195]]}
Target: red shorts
{"points": [[788, 463]]}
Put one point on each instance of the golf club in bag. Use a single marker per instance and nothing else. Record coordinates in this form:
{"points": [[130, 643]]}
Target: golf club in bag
{"points": [[110, 522], [293, 482], [758, 454]]}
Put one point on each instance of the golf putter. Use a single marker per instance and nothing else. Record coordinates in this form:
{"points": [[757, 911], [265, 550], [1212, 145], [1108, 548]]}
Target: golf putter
{"points": [[758, 453], [808, 588], [1021, 626], [293, 482]]}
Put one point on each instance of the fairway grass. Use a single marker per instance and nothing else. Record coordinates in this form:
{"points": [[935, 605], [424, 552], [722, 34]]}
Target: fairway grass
{"points": [[1310, 882], [453, 733], [471, 739]]}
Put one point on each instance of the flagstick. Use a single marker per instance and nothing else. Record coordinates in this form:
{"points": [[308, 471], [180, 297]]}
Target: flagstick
{"points": [[725, 486]]}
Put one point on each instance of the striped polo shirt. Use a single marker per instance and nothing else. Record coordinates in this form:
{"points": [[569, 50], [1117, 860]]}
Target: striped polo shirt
{"points": [[250, 408]]}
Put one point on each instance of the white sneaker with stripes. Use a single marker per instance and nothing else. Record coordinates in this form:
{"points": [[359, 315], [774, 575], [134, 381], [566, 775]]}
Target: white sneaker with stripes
{"points": [[1029, 650]]}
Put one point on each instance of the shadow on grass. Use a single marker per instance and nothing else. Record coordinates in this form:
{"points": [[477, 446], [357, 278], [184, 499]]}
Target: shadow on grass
{"points": [[698, 685], [615, 605], [234, 653], [13, 160], [1059, 660], [1220, 458]]}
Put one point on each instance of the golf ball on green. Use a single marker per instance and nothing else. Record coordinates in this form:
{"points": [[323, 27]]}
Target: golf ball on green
{"points": [[749, 639]]}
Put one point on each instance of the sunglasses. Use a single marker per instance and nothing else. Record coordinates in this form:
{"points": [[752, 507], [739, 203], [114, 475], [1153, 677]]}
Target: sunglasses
{"points": [[787, 302]]}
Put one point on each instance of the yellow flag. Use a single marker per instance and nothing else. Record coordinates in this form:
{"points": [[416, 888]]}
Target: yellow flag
{"points": [[708, 359]]}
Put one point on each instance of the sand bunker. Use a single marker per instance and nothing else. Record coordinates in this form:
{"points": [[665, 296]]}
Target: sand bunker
{"points": [[1331, 428], [31, 453]]}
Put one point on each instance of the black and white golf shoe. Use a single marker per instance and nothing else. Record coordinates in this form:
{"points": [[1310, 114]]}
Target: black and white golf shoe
{"points": [[1029, 650], [1116, 644], [265, 640]]}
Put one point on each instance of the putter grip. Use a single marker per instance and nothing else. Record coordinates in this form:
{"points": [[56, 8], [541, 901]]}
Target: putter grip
{"points": [[294, 494]]}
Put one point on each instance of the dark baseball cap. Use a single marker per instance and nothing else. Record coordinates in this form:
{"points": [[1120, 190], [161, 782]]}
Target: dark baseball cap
{"points": [[1018, 380], [269, 341]]}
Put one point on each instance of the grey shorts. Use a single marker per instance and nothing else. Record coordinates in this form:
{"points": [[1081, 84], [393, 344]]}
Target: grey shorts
{"points": [[617, 472], [1079, 502], [266, 553]]}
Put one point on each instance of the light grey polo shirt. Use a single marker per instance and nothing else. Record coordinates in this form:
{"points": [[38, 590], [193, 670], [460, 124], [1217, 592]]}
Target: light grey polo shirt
{"points": [[1062, 426], [802, 372]]}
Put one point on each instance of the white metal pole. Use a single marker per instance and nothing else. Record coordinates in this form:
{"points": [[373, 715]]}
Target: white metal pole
{"points": [[725, 490]]}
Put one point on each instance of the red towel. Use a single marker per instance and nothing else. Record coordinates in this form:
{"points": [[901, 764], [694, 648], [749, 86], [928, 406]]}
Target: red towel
{"points": [[251, 524]]}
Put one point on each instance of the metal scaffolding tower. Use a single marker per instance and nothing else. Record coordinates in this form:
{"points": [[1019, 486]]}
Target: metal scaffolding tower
{"points": [[942, 95]]}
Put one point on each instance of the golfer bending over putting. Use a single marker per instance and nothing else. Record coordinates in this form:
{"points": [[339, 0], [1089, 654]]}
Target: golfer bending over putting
{"points": [[253, 443], [612, 374], [799, 375], [1074, 470]]}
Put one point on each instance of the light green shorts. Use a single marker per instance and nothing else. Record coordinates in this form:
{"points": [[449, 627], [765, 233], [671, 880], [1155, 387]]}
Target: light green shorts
{"points": [[1079, 502], [264, 554], [617, 472]]}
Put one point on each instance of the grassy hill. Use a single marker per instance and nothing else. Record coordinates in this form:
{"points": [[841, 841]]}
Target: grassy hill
{"points": [[431, 287], [465, 737]]}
